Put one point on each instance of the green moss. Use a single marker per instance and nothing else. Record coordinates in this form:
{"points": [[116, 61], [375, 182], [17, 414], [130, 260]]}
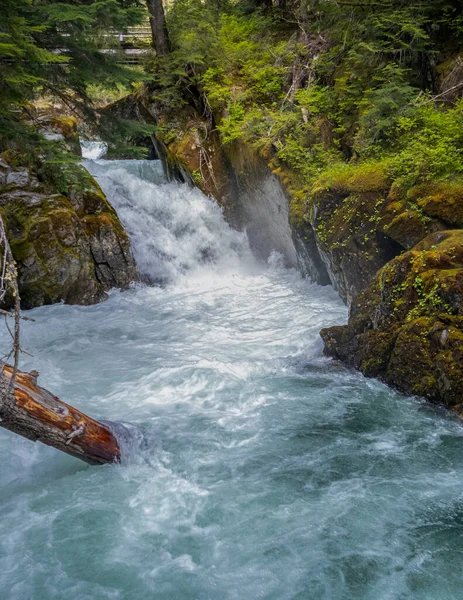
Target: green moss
{"points": [[66, 125], [442, 200], [366, 177], [407, 327], [298, 216]]}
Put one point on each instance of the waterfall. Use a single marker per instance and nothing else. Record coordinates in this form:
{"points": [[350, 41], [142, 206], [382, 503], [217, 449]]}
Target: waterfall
{"points": [[263, 470], [92, 150], [174, 228]]}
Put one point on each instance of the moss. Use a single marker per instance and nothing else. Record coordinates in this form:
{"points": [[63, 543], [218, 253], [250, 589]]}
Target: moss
{"points": [[66, 125], [407, 326], [379, 346], [442, 200], [405, 225], [366, 177], [95, 201], [298, 217], [186, 150], [94, 223], [420, 366]]}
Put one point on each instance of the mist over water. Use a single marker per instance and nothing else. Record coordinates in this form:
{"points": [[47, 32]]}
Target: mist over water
{"points": [[259, 469]]}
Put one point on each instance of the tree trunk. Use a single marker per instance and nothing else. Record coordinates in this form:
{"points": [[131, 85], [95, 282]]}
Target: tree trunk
{"points": [[158, 27], [266, 5], [34, 413]]}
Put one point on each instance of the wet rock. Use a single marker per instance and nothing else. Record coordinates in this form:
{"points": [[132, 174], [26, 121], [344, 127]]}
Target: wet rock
{"points": [[406, 328], [72, 249], [4, 172], [310, 262], [344, 211]]}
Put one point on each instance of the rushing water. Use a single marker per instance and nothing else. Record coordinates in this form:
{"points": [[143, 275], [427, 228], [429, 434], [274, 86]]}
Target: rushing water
{"points": [[260, 469]]}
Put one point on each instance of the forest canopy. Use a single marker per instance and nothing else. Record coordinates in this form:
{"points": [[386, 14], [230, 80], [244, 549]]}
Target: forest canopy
{"points": [[314, 82], [321, 82]]}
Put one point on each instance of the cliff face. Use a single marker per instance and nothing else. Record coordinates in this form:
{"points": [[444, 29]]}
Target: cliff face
{"points": [[406, 328], [67, 248], [394, 255], [388, 252]]}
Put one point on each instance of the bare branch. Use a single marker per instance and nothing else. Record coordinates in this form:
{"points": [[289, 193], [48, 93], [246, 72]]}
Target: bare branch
{"points": [[9, 284]]}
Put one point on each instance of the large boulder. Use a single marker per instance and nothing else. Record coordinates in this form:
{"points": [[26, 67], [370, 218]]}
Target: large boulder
{"points": [[406, 328], [60, 128], [362, 219], [67, 248]]}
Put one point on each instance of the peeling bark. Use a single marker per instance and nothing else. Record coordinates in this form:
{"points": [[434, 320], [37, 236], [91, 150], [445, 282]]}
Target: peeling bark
{"points": [[36, 414]]}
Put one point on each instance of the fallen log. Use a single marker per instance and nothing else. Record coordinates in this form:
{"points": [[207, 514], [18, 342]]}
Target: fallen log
{"points": [[36, 414]]}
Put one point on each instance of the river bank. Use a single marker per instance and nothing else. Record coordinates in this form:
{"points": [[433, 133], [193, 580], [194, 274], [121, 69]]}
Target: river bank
{"points": [[262, 468]]}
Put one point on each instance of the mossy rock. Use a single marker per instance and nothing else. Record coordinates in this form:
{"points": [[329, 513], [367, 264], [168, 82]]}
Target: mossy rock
{"points": [[363, 219], [407, 327], [346, 208], [442, 201], [367, 177], [66, 249], [406, 225], [63, 126]]}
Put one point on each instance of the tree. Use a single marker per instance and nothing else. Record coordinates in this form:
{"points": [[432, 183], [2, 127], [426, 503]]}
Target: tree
{"points": [[264, 4], [158, 25], [52, 47]]}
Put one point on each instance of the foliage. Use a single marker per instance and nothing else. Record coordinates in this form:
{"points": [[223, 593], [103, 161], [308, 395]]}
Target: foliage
{"points": [[353, 81], [428, 144], [310, 83], [52, 48]]}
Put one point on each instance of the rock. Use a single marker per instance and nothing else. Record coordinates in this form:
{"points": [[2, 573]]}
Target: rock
{"points": [[406, 328], [4, 172], [199, 151], [18, 178], [53, 137], [362, 220], [344, 210], [66, 249], [310, 263], [443, 201], [60, 128], [261, 204]]}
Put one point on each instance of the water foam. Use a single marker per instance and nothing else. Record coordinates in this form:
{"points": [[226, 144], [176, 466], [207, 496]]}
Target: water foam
{"points": [[262, 469], [174, 228], [93, 150]]}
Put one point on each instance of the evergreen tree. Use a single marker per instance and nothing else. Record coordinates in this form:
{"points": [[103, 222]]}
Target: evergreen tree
{"points": [[58, 48]]}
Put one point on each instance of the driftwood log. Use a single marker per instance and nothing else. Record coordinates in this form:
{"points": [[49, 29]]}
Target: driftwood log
{"points": [[36, 414]]}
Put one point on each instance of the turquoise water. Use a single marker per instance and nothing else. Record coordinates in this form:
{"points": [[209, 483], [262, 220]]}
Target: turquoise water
{"points": [[259, 469]]}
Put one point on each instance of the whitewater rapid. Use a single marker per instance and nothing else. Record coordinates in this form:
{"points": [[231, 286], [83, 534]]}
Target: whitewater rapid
{"points": [[260, 469]]}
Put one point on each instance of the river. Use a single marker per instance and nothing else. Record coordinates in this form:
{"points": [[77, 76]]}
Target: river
{"points": [[259, 468]]}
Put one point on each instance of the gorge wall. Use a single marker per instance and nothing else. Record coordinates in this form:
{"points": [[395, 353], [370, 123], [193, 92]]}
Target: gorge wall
{"points": [[68, 246], [394, 256]]}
